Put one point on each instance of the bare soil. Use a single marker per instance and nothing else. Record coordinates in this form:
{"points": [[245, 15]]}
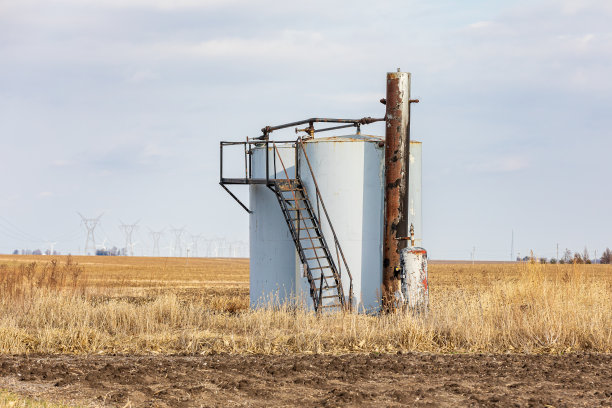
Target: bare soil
{"points": [[315, 380]]}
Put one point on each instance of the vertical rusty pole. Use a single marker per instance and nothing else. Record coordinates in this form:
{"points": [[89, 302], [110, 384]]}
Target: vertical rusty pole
{"points": [[397, 145]]}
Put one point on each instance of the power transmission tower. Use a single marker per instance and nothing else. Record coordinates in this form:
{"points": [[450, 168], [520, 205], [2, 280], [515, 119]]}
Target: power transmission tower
{"points": [[207, 244], [128, 230], [178, 235], [51, 247], [156, 235], [90, 225], [194, 244]]}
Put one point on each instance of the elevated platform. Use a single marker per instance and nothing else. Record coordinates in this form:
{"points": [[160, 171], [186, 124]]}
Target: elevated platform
{"points": [[269, 181]]}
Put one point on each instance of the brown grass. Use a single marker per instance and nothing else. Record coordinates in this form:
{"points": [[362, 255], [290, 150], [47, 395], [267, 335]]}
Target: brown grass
{"points": [[159, 305]]}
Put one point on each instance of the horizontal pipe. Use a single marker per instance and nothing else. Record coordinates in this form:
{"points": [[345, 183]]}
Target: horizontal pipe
{"points": [[362, 121], [335, 127], [254, 142]]}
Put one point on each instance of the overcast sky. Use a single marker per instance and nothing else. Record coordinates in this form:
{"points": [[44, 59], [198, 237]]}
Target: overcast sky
{"points": [[118, 107]]}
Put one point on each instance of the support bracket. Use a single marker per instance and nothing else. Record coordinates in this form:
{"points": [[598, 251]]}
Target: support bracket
{"points": [[236, 198]]}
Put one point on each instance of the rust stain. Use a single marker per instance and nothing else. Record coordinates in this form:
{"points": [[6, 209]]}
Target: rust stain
{"points": [[396, 183]]}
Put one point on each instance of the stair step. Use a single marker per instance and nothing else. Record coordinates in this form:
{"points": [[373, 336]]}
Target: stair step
{"points": [[302, 218], [322, 267], [317, 257], [326, 287], [328, 306], [312, 237], [297, 209], [329, 297]]}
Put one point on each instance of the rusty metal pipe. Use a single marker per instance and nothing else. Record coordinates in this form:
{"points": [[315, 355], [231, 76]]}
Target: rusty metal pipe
{"points": [[363, 121], [397, 146], [337, 127]]}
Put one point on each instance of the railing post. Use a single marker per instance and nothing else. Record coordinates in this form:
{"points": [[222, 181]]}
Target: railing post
{"points": [[321, 291], [274, 162], [267, 162], [297, 164], [250, 161], [221, 161], [246, 166]]}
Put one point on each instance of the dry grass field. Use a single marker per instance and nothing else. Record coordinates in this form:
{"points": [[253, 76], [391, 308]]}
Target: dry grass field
{"points": [[167, 332], [107, 305]]}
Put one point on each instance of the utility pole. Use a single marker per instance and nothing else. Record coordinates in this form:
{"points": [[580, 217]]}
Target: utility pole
{"points": [[90, 225], [473, 254], [128, 230], [512, 247], [557, 252]]}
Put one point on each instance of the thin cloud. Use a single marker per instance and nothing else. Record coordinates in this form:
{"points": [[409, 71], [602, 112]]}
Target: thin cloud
{"points": [[503, 164]]}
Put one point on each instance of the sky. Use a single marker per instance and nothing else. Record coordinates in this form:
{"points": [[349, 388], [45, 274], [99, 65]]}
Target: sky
{"points": [[117, 107]]}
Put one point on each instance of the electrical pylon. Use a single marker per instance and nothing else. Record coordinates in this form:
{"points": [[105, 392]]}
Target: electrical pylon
{"points": [[178, 234], [156, 235], [51, 247], [194, 244], [90, 225], [128, 229]]}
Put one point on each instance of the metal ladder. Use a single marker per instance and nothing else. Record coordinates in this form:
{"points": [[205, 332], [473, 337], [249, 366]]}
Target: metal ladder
{"points": [[319, 268]]}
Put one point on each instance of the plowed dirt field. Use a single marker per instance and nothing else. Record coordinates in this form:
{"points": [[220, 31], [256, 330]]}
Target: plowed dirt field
{"points": [[315, 380]]}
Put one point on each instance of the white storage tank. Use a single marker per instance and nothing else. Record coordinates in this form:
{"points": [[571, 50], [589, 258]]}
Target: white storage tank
{"points": [[350, 174], [272, 251]]}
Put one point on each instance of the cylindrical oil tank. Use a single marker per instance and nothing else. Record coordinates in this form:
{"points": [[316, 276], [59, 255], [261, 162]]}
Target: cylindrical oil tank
{"points": [[350, 174], [273, 256]]}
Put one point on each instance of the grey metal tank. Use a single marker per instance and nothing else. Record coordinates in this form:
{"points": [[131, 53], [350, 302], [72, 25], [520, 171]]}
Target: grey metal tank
{"points": [[350, 174]]}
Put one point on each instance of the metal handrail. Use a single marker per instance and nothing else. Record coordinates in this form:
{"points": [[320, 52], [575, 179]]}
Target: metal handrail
{"points": [[336, 241], [319, 299], [297, 144]]}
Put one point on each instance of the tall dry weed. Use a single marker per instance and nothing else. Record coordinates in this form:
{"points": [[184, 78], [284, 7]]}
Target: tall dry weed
{"points": [[528, 307]]}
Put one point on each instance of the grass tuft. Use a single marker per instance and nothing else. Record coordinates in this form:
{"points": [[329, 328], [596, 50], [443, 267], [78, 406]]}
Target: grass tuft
{"points": [[147, 305]]}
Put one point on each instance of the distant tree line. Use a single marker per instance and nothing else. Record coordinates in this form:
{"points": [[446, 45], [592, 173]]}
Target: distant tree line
{"points": [[573, 257], [114, 251], [34, 252]]}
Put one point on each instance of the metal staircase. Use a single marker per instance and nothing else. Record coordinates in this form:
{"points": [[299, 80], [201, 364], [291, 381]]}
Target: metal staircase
{"points": [[305, 224], [316, 258]]}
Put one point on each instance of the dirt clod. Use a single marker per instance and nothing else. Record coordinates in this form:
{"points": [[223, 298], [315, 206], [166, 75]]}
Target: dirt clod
{"points": [[315, 380]]}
